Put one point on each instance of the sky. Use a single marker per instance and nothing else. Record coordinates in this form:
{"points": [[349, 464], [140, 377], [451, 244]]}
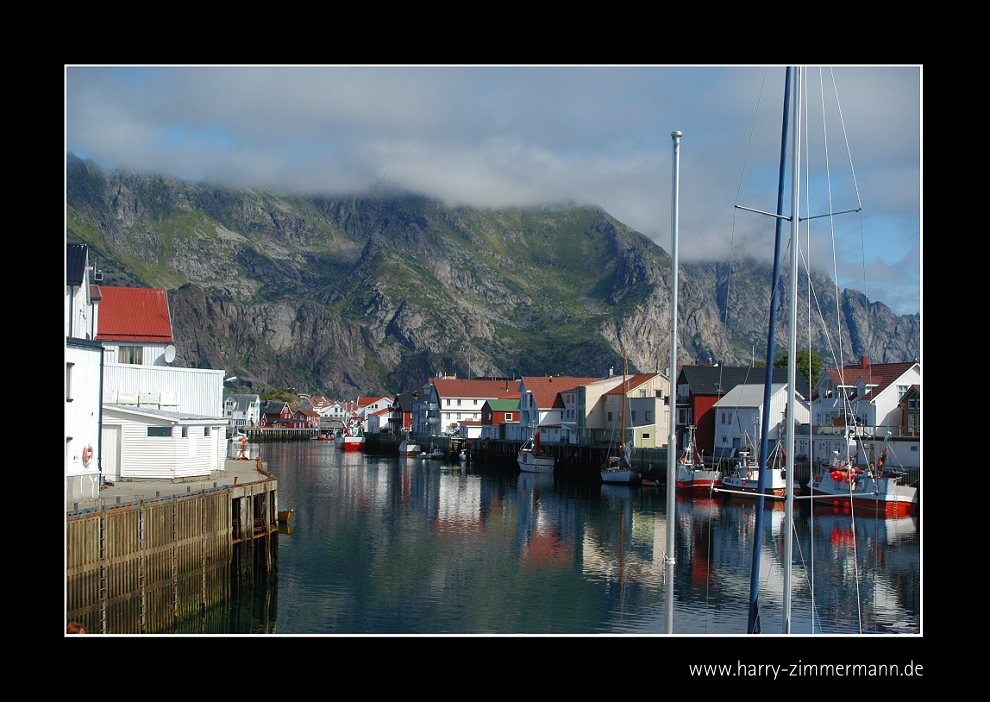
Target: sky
{"points": [[493, 136]]}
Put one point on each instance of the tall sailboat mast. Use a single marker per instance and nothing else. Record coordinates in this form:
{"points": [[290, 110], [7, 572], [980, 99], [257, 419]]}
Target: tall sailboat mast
{"points": [[792, 351], [753, 624], [672, 440]]}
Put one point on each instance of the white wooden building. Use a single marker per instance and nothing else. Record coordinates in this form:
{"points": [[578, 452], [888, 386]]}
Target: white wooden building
{"points": [[738, 416], [242, 410], [143, 443], [82, 419], [83, 358]]}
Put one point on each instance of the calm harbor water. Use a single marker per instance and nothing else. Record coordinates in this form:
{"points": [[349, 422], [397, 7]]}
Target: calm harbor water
{"points": [[386, 545]]}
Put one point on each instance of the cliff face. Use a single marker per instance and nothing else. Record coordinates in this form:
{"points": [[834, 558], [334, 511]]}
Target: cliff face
{"points": [[364, 295]]}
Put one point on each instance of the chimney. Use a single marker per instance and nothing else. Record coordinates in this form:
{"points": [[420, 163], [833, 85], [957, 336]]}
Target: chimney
{"points": [[866, 362]]}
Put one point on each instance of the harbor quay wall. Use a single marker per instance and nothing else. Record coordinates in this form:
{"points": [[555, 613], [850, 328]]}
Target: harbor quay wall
{"points": [[575, 460], [141, 564]]}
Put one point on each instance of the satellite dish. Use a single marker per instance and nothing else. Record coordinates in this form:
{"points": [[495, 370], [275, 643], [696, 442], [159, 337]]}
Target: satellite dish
{"points": [[169, 353]]}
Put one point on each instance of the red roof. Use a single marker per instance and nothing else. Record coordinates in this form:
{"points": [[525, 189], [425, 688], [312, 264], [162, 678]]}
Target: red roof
{"points": [[878, 375], [632, 382], [134, 314], [488, 389], [546, 388]]}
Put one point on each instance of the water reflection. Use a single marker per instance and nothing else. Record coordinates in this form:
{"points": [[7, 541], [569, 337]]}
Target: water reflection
{"points": [[405, 545]]}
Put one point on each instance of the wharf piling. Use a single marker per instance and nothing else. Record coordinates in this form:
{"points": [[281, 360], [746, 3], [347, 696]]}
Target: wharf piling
{"points": [[141, 564]]}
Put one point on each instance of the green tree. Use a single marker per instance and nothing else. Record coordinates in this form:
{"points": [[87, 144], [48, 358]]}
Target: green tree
{"points": [[810, 374]]}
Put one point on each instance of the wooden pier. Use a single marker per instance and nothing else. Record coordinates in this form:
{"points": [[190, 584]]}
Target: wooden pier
{"points": [[144, 565]]}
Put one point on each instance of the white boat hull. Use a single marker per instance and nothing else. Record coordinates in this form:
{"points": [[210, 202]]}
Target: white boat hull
{"points": [[620, 476], [697, 481], [863, 491], [534, 463]]}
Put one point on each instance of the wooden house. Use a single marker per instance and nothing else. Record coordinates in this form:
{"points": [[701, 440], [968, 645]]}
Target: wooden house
{"points": [[444, 402], [134, 325], [276, 414], [141, 443], [738, 417], [865, 393], [308, 417], [647, 406], [910, 406], [83, 377], [242, 410], [700, 387], [496, 414], [541, 405]]}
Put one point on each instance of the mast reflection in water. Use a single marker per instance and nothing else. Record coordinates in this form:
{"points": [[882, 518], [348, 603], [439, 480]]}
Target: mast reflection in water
{"points": [[403, 545]]}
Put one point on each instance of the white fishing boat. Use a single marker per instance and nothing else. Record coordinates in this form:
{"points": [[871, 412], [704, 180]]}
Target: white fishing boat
{"points": [[408, 447], [744, 477], [693, 476], [878, 488], [531, 458]]}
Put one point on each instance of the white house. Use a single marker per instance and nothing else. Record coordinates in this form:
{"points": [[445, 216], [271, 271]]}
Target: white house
{"points": [[242, 410], [446, 405], [83, 368], [82, 419], [738, 416], [542, 401], [867, 394]]}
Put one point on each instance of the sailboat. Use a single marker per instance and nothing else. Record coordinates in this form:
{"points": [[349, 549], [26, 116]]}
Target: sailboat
{"points": [[693, 476], [618, 468], [791, 113]]}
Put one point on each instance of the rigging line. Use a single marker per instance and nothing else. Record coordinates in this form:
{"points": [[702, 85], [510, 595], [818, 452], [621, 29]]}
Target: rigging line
{"points": [[742, 178]]}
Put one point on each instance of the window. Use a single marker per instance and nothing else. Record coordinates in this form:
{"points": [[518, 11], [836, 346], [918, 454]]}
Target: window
{"points": [[159, 431], [634, 416], [68, 381], [642, 393], [648, 417], [130, 354], [646, 437], [508, 416], [610, 416]]}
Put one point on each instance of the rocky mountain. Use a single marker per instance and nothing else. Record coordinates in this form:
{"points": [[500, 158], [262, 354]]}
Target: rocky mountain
{"points": [[361, 295]]}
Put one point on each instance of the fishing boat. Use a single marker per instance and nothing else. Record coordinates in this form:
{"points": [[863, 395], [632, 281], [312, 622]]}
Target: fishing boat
{"points": [[744, 477], [878, 488], [349, 438], [531, 458], [618, 468], [285, 514], [693, 476], [408, 447]]}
